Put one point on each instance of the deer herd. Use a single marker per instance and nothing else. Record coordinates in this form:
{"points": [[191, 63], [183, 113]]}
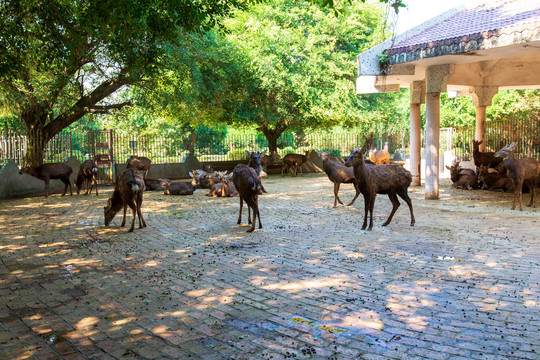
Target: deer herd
{"points": [[498, 171]]}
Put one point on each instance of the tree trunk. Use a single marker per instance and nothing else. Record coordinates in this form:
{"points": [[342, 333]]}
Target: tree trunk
{"points": [[35, 118], [272, 136]]}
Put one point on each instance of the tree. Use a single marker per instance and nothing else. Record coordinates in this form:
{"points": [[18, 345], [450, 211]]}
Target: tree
{"points": [[63, 59], [301, 67]]}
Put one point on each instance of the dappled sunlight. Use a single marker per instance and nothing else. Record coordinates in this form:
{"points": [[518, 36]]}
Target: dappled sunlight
{"points": [[407, 299], [307, 284]]}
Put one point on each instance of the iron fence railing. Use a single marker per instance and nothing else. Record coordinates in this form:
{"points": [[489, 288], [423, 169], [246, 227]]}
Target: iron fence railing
{"points": [[110, 147]]}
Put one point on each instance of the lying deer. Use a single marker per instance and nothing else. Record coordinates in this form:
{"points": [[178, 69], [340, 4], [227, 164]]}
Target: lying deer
{"points": [[380, 179], [128, 191], [338, 174], [521, 171], [46, 172], [182, 187], [462, 178]]}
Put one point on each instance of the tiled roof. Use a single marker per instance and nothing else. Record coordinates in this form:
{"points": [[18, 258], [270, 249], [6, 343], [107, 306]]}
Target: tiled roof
{"points": [[486, 22]]}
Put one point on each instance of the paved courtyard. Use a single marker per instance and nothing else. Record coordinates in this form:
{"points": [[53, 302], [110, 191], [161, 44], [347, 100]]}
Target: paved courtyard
{"points": [[463, 283]]}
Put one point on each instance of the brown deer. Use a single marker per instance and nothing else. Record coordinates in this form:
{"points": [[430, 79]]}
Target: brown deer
{"points": [[156, 184], [218, 188], [295, 160], [495, 180], [182, 187], [390, 179], [521, 171], [254, 161], [46, 172], [139, 163], [462, 178], [338, 174], [267, 160], [484, 158], [128, 191], [87, 175], [248, 185], [379, 156]]}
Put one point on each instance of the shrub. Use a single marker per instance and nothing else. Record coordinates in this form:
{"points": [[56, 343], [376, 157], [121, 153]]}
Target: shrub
{"points": [[236, 154], [332, 151]]}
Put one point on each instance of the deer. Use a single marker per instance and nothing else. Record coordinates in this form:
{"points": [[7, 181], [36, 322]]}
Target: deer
{"points": [[295, 160], [254, 161], [267, 160], [484, 158], [46, 172], [390, 179], [182, 187], [248, 185], [462, 178], [494, 180], [522, 172], [378, 157], [87, 175], [218, 189], [156, 184], [338, 174], [139, 163], [128, 191]]}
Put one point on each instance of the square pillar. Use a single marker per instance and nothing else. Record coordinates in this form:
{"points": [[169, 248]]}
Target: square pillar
{"points": [[418, 97], [482, 96]]}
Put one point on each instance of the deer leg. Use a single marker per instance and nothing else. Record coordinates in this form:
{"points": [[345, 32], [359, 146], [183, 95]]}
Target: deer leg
{"points": [[371, 206], [395, 205], [240, 212], [249, 214], [532, 186], [282, 170], [355, 196], [124, 219], [336, 197], [403, 194], [94, 182], [366, 209], [46, 187], [66, 185], [133, 208], [139, 211]]}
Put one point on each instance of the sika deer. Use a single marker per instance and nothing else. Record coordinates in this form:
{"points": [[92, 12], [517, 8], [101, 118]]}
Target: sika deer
{"points": [[182, 187], [338, 174], [379, 156], [217, 188], [521, 171], [462, 178], [46, 172], [128, 192], [254, 161], [380, 179], [156, 184], [295, 160], [87, 174], [484, 158], [248, 185], [267, 160], [494, 181], [139, 163]]}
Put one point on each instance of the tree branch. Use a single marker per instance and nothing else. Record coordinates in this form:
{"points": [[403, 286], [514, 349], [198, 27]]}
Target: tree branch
{"points": [[104, 109]]}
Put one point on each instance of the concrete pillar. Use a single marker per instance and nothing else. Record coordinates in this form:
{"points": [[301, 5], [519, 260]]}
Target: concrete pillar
{"points": [[482, 96], [432, 145], [436, 82], [481, 126], [418, 97]]}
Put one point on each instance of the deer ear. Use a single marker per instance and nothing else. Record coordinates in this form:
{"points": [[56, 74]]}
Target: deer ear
{"points": [[191, 174], [263, 153], [356, 149], [248, 154], [448, 167]]}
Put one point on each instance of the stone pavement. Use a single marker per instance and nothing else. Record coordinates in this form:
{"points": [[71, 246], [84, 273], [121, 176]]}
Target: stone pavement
{"points": [[461, 284]]}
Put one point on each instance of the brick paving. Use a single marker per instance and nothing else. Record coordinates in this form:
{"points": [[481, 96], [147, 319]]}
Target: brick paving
{"points": [[461, 284]]}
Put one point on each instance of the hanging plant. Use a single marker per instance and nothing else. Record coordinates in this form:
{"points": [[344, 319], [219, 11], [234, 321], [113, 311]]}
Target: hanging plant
{"points": [[384, 62]]}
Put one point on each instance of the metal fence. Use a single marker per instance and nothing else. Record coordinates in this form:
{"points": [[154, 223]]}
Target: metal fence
{"points": [[108, 147]]}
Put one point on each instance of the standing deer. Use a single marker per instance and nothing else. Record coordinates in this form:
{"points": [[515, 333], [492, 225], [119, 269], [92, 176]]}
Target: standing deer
{"points": [[128, 192], [338, 174], [295, 160], [380, 179], [254, 161], [379, 156], [521, 171], [139, 163], [87, 174], [248, 185], [46, 172]]}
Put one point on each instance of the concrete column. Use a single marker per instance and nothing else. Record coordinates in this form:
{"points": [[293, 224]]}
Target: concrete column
{"points": [[436, 82], [432, 145], [482, 96], [418, 97], [481, 126]]}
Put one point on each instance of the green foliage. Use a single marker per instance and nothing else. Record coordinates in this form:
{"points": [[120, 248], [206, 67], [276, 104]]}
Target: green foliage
{"points": [[332, 151], [236, 154]]}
